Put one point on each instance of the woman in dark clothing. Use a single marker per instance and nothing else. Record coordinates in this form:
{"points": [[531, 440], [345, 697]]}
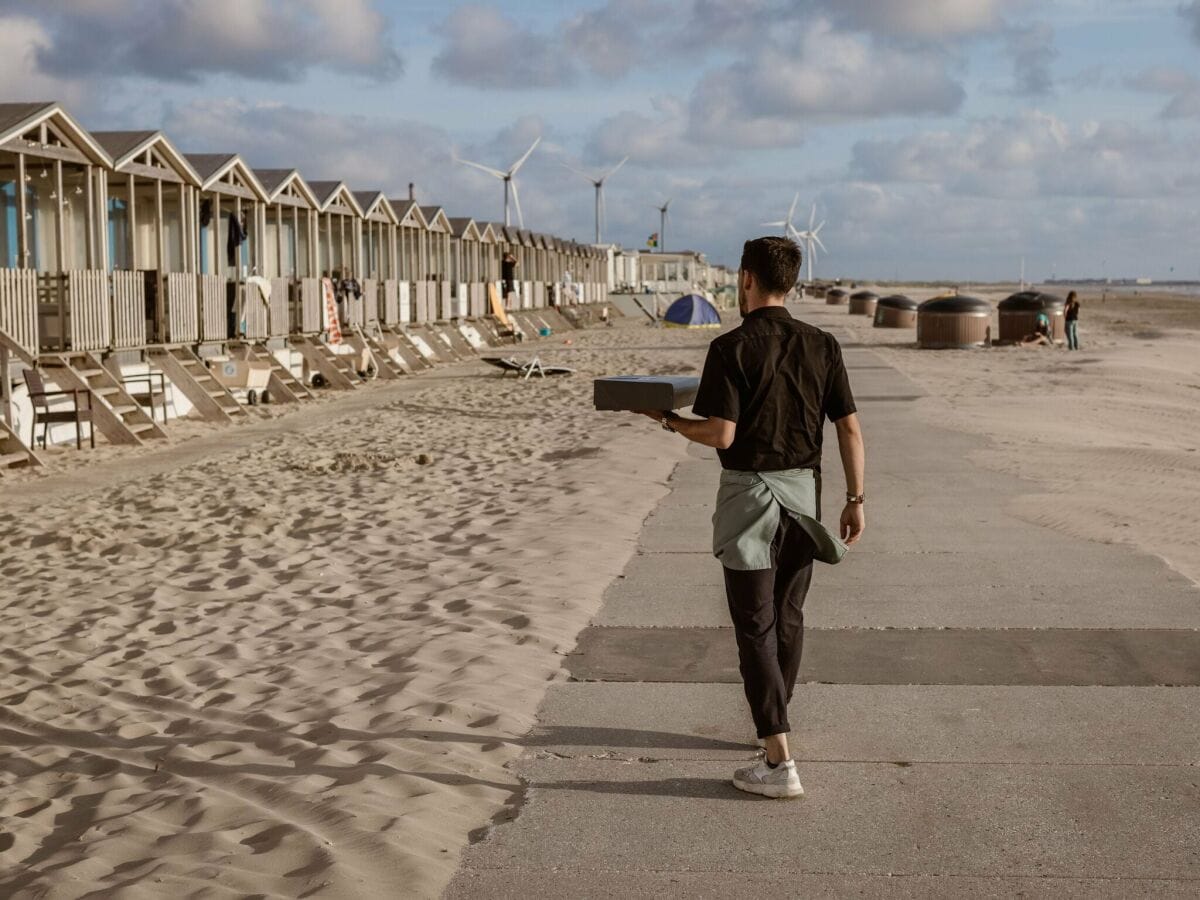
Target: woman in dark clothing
{"points": [[1072, 321]]}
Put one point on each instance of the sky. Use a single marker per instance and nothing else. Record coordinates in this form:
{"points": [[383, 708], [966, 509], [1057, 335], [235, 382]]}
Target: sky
{"points": [[936, 139]]}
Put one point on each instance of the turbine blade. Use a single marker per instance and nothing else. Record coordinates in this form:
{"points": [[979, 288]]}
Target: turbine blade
{"points": [[495, 173], [517, 204], [613, 171], [818, 240], [520, 162], [775, 224], [812, 216], [577, 171], [817, 230], [792, 211]]}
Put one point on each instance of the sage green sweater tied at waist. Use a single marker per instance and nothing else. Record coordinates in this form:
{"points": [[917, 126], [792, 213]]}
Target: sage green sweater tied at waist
{"points": [[747, 517]]}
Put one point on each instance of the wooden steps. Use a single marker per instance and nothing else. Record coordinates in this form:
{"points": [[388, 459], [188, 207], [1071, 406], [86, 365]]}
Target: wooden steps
{"points": [[187, 372], [458, 343], [386, 367], [14, 454], [336, 368], [115, 414]]}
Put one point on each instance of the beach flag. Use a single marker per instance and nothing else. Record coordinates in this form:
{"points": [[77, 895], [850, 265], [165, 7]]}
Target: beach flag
{"points": [[652, 241]]}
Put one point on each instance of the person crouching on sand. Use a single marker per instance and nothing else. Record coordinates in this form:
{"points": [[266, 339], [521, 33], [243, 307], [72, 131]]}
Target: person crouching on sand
{"points": [[765, 392]]}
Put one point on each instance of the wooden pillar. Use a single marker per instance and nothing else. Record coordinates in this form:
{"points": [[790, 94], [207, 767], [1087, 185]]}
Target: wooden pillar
{"points": [[132, 218], [91, 218], [22, 215], [160, 226], [60, 229]]}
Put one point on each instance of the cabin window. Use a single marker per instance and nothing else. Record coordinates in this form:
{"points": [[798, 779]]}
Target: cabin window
{"points": [[119, 248], [10, 235]]}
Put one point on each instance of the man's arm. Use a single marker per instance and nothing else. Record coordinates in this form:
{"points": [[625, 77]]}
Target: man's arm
{"points": [[711, 432], [850, 446]]}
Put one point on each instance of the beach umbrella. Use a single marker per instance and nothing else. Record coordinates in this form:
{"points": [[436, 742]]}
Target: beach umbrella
{"points": [[692, 311]]}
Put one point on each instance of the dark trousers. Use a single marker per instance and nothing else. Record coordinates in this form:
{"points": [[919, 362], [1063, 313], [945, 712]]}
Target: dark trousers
{"points": [[767, 608]]}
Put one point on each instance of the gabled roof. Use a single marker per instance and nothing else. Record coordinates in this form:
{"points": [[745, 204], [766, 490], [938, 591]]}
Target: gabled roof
{"points": [[126, 146], [276, 181], [409, 213], [375, 201], [17, 118], [526, 237], [330, 192], [487, 233], [436, 218], [465, 229], [212, 167]]}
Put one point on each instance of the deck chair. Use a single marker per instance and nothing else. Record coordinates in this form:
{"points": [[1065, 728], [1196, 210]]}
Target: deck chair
{"points": [[46, 413], [525, 370]]}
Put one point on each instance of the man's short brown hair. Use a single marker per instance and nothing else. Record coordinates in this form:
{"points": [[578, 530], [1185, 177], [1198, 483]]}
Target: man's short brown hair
{"points": [[774, 262]]}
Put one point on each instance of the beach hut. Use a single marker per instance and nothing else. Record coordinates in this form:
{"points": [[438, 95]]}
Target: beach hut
{"points": [[290, 245], [954, 321], [692, 311], [1019, 312], [149, 219], [466, 266], [489, 269], [438, 273], [231, 212], [54, 288], [862, 303], [896, 311], [380, 285], [412, 235], [836, 297]]}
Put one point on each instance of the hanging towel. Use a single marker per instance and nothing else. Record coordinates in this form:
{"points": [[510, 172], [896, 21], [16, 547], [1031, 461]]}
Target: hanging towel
{"points": [[237, 237], [333, 327]]}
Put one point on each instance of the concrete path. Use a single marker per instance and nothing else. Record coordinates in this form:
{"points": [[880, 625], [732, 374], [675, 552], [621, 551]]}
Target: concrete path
{"points": [[989, 709]]}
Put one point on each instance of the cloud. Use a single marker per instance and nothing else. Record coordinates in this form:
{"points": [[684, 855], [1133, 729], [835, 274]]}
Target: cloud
{"points": [[1182, 87], [1191, 15], [21, 39], [186, 40], [768, 99], [1029, 156], [921, 19], [660, 140], [1033, 52], [487, 49]]}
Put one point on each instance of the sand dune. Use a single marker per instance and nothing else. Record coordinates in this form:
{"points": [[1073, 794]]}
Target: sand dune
{"points": [[297, 665]]}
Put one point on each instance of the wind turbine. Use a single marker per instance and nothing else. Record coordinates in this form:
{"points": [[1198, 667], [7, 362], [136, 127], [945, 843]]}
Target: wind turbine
{"points": [[508, 179], [811, 239], [786, 224], [599, 185], [662, 228]]}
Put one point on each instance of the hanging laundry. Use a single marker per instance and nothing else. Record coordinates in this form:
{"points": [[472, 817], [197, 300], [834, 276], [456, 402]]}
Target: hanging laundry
{"points": [[333, 328], [237, 237], [206, 213]]}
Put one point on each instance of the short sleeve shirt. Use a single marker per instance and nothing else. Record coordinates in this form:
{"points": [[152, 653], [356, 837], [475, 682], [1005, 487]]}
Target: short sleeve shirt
{"points": [[779, 379]]}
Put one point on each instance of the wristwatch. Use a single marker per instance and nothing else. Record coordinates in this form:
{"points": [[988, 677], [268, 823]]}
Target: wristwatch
{"points": [[666, 422], [855, 498]]}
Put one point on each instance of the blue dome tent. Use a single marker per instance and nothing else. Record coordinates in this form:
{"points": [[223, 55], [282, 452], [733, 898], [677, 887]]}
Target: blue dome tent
{"points": [[692, 311]]}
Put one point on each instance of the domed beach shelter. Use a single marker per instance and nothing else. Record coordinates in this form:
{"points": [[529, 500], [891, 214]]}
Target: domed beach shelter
{"points": [[1018, 315], [692, 311], [862, 303], [954, 321], [896, 311], [836, 297]]}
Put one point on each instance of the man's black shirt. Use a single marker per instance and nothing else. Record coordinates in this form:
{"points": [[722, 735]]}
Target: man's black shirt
{"points": [[778, 378]]}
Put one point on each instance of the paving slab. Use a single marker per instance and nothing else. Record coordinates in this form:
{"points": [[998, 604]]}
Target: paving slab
{"points": [[979, 724], [1019, 656], [724, 884], [956, 820]]}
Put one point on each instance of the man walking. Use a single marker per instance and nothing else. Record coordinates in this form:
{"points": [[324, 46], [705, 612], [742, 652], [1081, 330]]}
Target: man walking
{"points": [[767, 388]]}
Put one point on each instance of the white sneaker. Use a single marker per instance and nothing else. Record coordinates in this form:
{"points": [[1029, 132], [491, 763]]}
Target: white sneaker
{"points": [[780, 782]]}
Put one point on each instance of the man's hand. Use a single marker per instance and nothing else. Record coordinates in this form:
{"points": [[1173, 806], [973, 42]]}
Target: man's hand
{"points": [[853, 523]]}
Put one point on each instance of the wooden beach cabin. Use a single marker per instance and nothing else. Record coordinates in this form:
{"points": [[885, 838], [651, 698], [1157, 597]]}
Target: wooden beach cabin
{"points": [[231, 215], [290, 248], [149, 219], [489, 270], [412, 238], [381, 286], [466, 267], [438, 272]]}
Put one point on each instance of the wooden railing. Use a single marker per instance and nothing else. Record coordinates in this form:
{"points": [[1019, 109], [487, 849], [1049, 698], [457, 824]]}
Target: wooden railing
{"points": [[421, 301], [255, 311], [404, 302], [214, 323], [278, 326], [478, 299], [311, 306], [183, 308], [19, 307], [128, 310], [89, 315], [370, 301], [391, 302], [446, 306]]}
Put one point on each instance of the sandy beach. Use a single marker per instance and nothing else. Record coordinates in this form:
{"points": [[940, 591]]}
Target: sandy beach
{"points": [[289, 659]]}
